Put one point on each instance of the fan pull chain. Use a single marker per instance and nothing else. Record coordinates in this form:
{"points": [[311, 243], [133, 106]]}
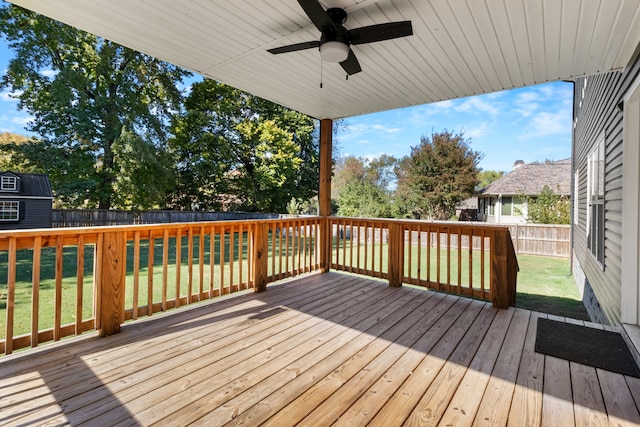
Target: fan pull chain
{"points": [[321, 63]]}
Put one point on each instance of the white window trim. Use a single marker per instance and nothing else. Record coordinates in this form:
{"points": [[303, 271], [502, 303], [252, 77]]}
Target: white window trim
{"points": [[8, 183], [6, 206], [630, 289], [599, 145]]}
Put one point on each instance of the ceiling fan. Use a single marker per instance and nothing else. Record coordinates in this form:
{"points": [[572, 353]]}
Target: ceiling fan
{"points": [[336, 40]]}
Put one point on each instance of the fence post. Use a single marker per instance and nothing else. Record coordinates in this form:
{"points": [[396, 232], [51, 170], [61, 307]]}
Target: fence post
{"points": [[111, 260], [260, 256], [396, 254], [504, 269]]}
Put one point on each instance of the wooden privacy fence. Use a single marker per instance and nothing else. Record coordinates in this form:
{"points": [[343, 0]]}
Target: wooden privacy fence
{"points": [[468, 259], [105, 217], [541, 239], [62, 282]]}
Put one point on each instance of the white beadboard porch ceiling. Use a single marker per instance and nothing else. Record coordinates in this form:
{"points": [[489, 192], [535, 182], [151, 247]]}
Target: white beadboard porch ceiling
{"points": [[459, 47]]}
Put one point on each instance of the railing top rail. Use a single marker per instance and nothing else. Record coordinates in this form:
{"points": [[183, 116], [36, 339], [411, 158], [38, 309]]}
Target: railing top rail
{"points": [[464, 225], [68, 231]]}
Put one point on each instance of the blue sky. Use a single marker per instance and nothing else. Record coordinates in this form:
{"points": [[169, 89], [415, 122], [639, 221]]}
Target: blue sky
{"points": [[530, 124]]}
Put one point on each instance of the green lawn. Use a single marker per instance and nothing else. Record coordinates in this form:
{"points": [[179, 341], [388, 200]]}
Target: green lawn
{"points": [[543, 283]]}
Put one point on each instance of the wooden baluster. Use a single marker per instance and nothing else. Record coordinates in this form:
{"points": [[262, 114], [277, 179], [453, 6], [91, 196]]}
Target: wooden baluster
{"points": [[150, 265], [281, 223], [223, 234], [11, 296], [212, 258], [410, 252], [189, 264], [178, 266], [35, 290], [201, 263], [428, 257], [79, 283], [298, 229], [459, 247], [57, 299], [136, 272], [165, 267], [288, 248], [419, 264], [240, 252]]}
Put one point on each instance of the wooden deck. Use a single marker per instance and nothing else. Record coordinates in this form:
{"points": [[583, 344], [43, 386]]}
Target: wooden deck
{"points": [[317, 350]]}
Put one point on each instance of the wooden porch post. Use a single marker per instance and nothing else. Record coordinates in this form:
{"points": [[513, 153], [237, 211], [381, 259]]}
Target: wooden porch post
{"points": [[396, 254], [504, 269], [324, 191], [260, 245], [111, 257]]}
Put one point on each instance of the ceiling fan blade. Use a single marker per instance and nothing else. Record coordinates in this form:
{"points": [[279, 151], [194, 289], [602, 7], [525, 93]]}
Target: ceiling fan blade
{"points": [[294, 47], [351, 64], [317, 14], [379, 32]]}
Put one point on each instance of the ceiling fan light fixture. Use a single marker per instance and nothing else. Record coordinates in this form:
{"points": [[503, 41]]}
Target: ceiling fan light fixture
{"points": [[334, 51]]}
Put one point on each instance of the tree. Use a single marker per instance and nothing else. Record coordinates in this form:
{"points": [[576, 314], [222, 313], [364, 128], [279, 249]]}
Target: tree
{"points": [[364, 187], [440, 173], [237, 149], [487, 177], [91, 99], [11, 153], [548, 208]]}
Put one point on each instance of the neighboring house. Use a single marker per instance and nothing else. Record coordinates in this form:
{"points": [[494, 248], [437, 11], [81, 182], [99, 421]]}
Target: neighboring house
{"points": [[501, 201], [606, 218], [25, 201]]}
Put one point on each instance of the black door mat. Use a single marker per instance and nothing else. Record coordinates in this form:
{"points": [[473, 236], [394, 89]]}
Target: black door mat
{"points": [[594, 347]]}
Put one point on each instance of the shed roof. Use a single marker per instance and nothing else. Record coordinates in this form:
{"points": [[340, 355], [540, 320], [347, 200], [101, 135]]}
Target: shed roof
{"points": [[531, 179], [31, 185], [458, 48]]}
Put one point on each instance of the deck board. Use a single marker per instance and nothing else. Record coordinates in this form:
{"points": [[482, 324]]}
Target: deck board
{"points": [[321, 349]]}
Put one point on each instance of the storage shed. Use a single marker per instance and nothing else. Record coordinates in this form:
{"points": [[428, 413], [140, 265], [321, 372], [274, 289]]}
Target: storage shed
{"points": [[25, 201]]}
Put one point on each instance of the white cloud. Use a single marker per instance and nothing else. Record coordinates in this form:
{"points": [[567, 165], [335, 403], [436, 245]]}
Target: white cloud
{"points": [[49, 73], [546, 124], [478, 105], [7, 96], [22, 120], [385, 129], [477, 131]]}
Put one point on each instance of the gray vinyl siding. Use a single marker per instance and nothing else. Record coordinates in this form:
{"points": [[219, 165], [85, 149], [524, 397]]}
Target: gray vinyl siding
{"points": [[37, 214], [598, 112]]}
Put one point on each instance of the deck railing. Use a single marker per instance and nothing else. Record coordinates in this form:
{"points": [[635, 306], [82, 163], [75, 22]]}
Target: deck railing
{"points": [[62, 282], [461, 258]]}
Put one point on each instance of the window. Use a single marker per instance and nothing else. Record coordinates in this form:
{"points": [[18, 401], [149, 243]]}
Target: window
{"points": [[8, 183], [511, 206], [9, 211], [506, 206], [595, 201]]}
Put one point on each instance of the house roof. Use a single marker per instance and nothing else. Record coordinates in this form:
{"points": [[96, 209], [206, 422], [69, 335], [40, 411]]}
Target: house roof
{"points": [[459, 47], [31, 185], [530, 180]]}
